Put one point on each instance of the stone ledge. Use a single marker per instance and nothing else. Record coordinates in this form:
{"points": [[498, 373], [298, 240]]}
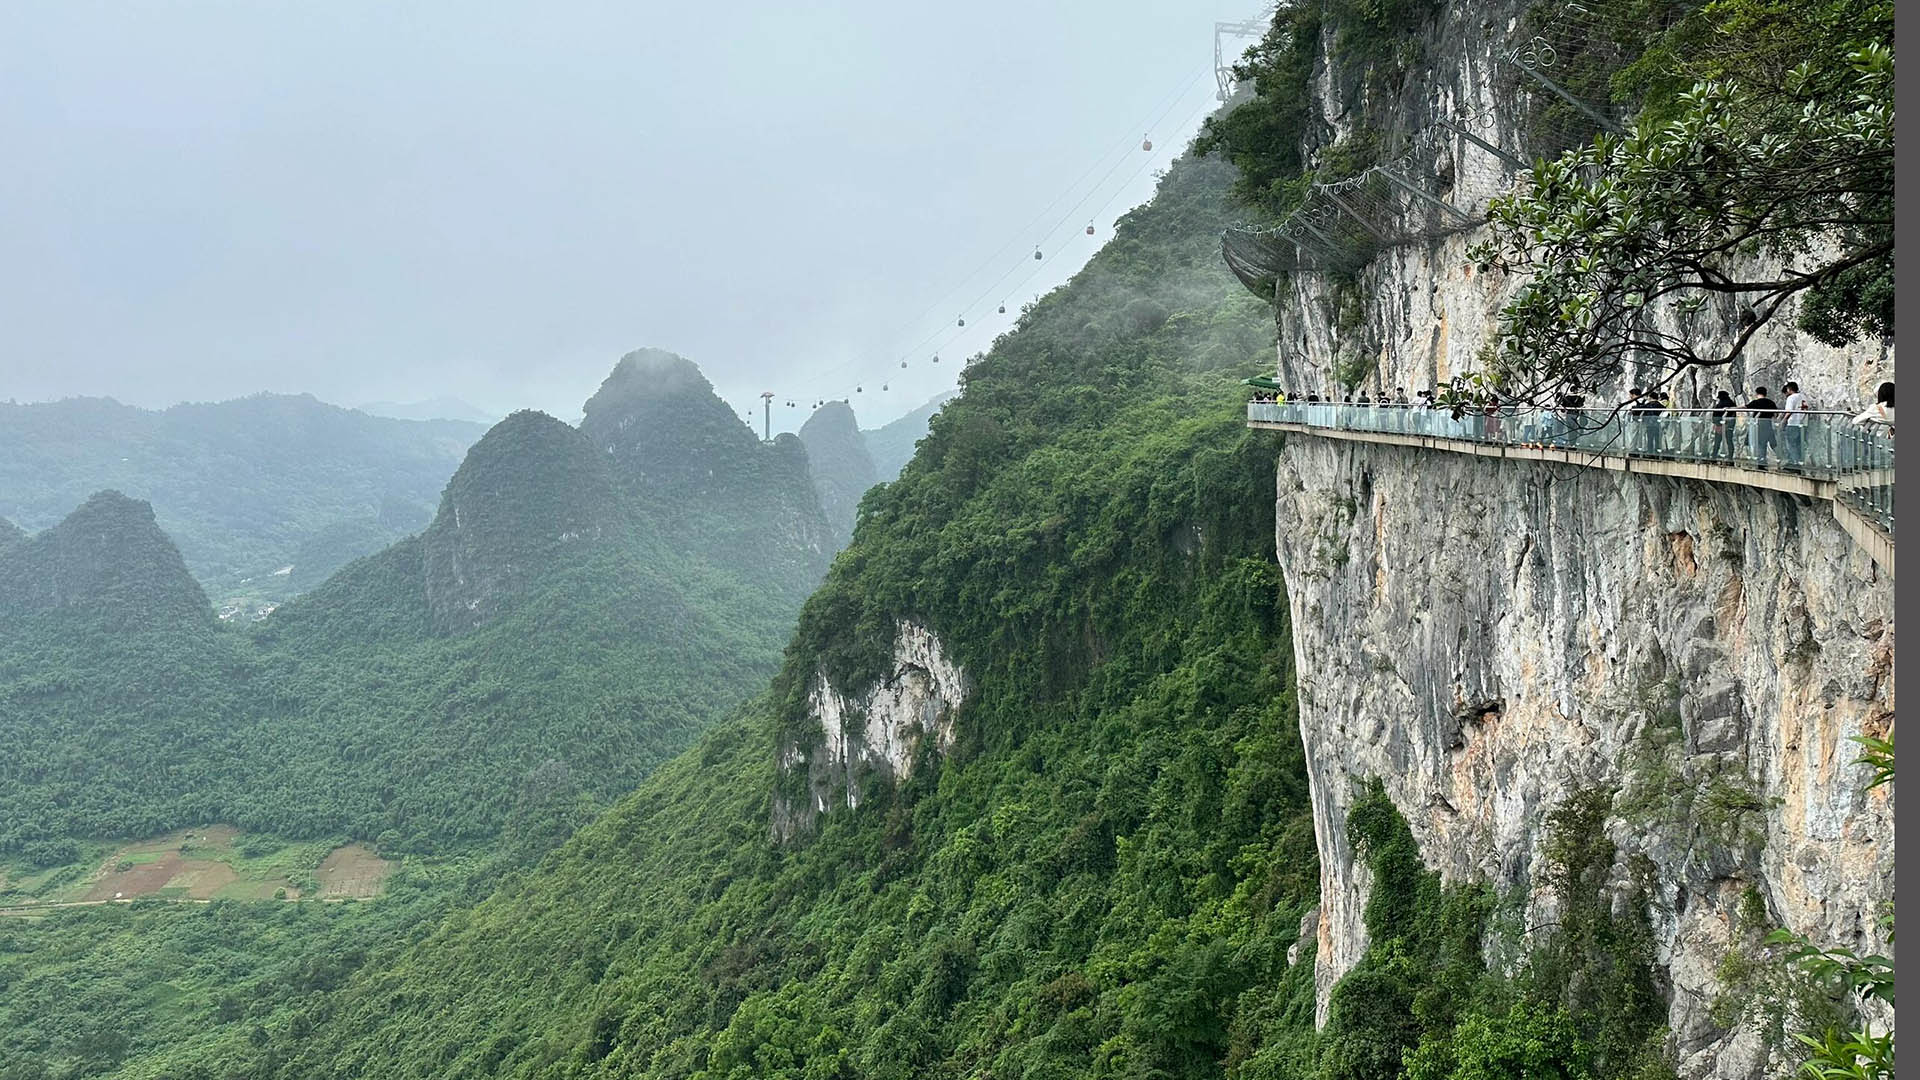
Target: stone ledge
{"points": [[1871, 539]]}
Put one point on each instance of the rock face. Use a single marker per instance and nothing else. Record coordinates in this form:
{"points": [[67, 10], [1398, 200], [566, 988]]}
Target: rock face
{"points": [[842, 471], [870, 733], [107, 560], [1488, 637], [529, 491]]}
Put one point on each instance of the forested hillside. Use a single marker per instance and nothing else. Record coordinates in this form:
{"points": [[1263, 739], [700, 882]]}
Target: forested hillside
{"points": [[890, 445], [1109, 867], [542, 619], [837, 459], [246, 488], [461, 701]]}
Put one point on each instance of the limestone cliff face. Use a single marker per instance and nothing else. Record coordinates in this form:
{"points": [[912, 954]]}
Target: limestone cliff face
{"points": [[1488, 637], [870, 733]]}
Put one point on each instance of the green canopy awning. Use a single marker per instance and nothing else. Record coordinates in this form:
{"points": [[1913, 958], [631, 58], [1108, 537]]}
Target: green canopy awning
{"points": [[1261, 382]]}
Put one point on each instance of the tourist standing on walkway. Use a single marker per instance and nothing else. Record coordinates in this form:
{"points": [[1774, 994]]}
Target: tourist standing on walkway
{"points": [[1690, 419], [1793, 439], [1881, 411], [1760, 412], [1722, 417], [1644, 407], [1570, 403]]}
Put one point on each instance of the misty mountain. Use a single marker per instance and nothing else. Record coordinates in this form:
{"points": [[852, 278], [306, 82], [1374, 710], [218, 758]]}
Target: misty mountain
{"points": [[529, 489], [568, 607], [436, 408], [842, 471], [108, 561], [701, 475], [265, 495], [891, 444]]}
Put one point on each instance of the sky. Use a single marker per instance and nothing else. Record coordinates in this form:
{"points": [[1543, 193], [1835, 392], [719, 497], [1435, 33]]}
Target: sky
{"points": [[373, 201]]}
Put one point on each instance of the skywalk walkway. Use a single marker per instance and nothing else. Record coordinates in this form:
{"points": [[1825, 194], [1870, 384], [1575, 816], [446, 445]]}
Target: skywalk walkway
{"points": [[1830, 458]]}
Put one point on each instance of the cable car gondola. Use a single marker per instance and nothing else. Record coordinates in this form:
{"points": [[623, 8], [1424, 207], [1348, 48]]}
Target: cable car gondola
{"points": [[1003, 309], [1037, 257], [963, 320], [1146, 144], [1089, 228]]}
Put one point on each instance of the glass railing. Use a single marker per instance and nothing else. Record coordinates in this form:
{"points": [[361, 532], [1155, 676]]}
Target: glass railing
{"points": [[1823, 445]]}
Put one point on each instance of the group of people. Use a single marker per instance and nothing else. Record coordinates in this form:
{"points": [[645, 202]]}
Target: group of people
{"points": [[1709, 428], [1769, 424]]}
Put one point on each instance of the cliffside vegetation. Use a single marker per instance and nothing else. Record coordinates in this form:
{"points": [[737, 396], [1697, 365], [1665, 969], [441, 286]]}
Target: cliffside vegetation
{"points": [[1105, 874], [1767, 180]]}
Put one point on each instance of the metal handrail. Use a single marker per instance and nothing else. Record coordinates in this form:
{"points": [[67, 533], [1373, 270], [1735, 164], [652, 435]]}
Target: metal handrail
{"points": [[1826, 444]]}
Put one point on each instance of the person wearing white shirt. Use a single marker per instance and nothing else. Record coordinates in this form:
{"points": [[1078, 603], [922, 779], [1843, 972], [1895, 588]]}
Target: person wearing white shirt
{"points": [[1794, 435], [1881, 411]]}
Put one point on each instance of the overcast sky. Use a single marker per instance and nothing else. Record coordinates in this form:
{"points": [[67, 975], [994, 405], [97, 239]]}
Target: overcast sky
{"points": [[369, 200]]}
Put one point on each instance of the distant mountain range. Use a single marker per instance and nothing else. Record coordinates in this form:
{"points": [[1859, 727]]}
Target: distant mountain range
{"points": [[265, 496], [890, 445], [586, 599], [436, 408]]}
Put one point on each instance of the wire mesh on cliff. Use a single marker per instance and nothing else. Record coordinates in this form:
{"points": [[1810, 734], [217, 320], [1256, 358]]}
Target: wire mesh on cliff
{"points": [[1439, 181]]}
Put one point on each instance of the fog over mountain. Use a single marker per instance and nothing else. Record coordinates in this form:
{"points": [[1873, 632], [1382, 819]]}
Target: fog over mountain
{"points": [[378, 204]]}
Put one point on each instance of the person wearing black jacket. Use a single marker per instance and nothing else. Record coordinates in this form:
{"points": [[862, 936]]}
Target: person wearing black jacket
{"points": [[1760, 411], [1723, 421]]}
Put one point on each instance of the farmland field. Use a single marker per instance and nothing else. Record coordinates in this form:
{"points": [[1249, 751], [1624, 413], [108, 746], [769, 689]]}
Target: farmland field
{"points": [[207, 863]]}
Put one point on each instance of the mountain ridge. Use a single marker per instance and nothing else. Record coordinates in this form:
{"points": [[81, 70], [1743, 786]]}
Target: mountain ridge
{"points": [[246, 488], [108, 559]]}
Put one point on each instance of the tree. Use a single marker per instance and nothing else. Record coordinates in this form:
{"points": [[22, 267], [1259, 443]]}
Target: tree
{"points": [[1670, 246]]}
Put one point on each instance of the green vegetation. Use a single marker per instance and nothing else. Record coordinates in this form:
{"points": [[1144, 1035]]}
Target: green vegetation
{"points": [[1767, 182], [466, 698], [1268, 136], [1108, 868], [345, 716], [890, 446], [110, 990], [549, 633], [245, 487], [1422, 1004], [204, 864]]}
